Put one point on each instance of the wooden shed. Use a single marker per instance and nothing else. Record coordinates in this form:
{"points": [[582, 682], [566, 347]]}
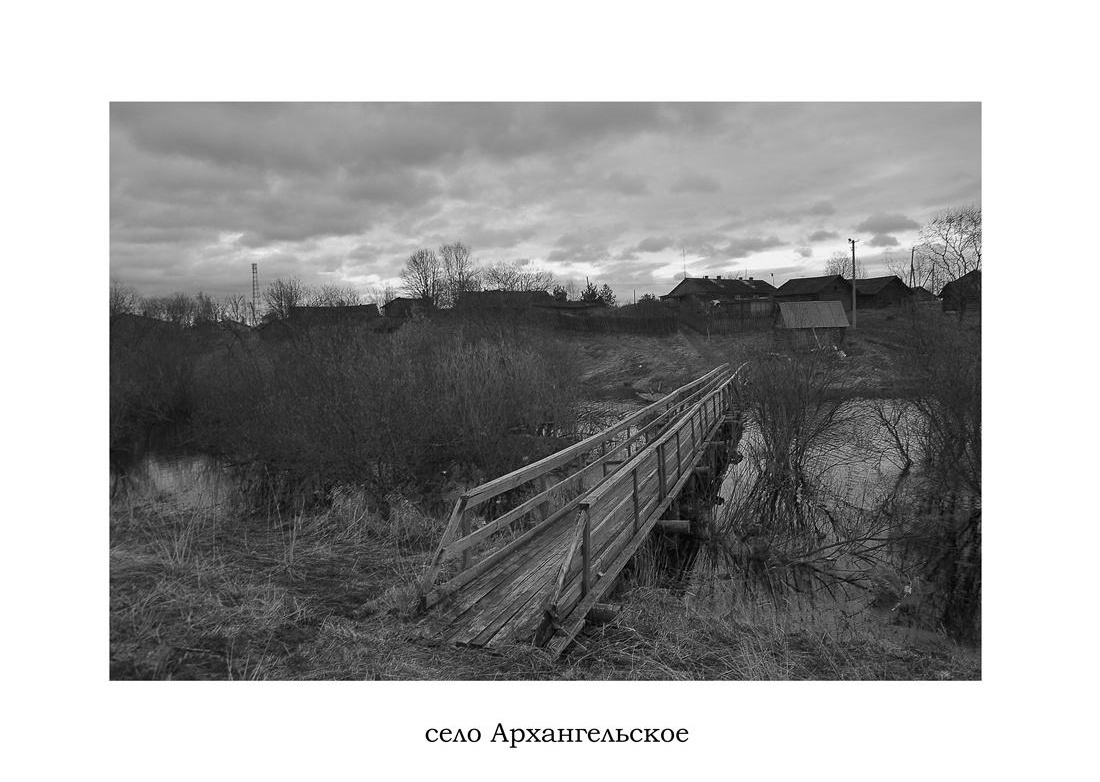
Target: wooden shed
{"points": [[812, 324]]}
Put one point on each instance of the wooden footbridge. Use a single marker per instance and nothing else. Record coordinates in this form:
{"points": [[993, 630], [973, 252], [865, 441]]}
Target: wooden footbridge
{"points": [[527, 556]]}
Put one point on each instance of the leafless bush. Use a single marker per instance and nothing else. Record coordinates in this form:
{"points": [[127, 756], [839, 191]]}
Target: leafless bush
{"points": [[389, 412]]}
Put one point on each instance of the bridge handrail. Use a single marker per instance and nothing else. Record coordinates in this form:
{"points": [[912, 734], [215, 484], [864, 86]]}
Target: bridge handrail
{"points": [[580, 541], [453, 543], [518, 477]]}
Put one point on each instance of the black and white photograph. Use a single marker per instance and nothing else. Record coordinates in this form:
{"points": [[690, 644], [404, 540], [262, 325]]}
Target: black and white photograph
{"points": [[548, 392], [562, 391]]}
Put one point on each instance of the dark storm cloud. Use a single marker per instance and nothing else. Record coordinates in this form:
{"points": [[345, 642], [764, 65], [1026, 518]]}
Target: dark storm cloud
{"points": [[883, 240], [347, 191], [887, 223]]}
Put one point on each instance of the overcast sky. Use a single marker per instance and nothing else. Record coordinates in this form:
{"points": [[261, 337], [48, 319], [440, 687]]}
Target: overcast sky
{"points": [[613, 191]]}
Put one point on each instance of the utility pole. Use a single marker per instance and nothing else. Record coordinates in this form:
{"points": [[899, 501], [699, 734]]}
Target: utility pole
{"points": [[683, 254], [853, 243], [912, 254], [255, 292]]}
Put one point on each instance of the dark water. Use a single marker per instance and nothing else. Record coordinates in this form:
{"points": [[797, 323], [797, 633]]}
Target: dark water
{"points": [[187, 480]]}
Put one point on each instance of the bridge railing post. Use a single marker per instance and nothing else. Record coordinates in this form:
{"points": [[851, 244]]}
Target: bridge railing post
{"points": [[586, 554], [637, 507], [661, 470]]}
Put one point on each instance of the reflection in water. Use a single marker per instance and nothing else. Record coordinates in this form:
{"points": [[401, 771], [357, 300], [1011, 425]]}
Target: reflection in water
{"points": [[858, 465], [186, 480]]}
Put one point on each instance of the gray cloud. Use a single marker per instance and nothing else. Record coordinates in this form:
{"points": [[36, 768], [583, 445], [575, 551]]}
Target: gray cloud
{"points": [[804, 252], [886, 223], [696, 183], [654, 244], [625, 184], [347, 191], [740, 248]]}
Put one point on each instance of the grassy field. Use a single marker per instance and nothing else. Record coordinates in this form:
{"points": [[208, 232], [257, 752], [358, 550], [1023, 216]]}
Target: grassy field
{"points": [[218, 587]]}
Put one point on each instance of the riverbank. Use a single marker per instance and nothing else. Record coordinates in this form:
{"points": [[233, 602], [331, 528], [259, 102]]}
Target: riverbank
{"points": [[202, 590]]}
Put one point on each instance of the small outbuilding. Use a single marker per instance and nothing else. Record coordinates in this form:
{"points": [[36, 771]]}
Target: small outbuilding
{"points": [[812, 324], [405, 308]]}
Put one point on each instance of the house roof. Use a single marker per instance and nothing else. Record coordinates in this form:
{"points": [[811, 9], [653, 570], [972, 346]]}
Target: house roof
{"points": [[873, 285], [968, 282], [812, 315], [502, 298], [554, 304], [336, 313], [717, 287], [804, 285]]}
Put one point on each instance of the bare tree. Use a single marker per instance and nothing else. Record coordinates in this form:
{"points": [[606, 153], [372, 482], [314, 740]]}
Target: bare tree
{"points": [[331, 295], [282, 295], [952, 242], [925, 274], [179, 308], [514, 276], [422, 277], [124, 299], [460, 274], [207, 310], [841, 263], [379, 294], [235, 308]]}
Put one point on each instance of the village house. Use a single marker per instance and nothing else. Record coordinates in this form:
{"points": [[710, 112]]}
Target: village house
{"points": [[922, 295], [500, 300], [695, 292], [964, 293], [877, 292], [831, 287], [575, 307], [333, 316]]}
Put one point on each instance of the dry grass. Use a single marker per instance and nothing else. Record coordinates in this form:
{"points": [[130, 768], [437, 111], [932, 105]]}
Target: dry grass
{"points": [[208, 593]]}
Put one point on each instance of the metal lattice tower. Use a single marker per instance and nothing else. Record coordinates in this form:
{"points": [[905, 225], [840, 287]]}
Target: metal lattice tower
{"points": [[255, 292]]}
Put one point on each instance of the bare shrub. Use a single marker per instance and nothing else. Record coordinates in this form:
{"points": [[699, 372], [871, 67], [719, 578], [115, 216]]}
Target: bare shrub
{"points": [[388, 412]]}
